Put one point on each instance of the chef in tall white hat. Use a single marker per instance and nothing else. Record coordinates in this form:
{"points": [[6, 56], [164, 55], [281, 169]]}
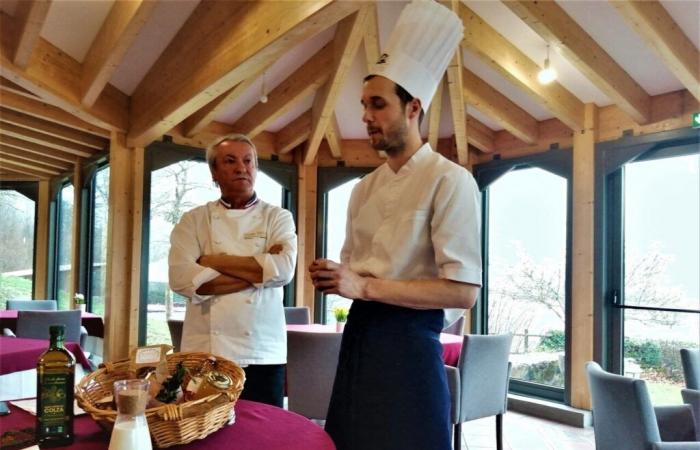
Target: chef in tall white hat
{"points": [[412, 249]]}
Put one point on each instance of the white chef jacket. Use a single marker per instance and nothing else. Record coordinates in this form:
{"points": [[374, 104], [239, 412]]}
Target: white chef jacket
{"points": [[422, 222], [248, 326]]}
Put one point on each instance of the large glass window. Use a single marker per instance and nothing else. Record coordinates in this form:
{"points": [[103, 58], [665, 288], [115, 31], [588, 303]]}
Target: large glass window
{"points": [[16, 246], [527, 241], [98, 241], [661, 266], [64, 241]]}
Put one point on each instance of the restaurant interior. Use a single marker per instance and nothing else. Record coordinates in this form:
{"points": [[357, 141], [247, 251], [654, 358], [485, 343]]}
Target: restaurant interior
{"points": [[579, 121]]}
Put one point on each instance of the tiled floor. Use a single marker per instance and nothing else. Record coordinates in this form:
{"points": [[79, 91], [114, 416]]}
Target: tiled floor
{"points": [[521, 432]]}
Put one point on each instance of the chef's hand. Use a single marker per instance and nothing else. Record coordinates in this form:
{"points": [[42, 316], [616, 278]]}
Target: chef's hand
{"points": [[331, 277], [276, 249]]}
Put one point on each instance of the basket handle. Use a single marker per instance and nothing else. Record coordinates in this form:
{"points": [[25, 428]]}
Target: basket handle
{"points": [[170, 412]]}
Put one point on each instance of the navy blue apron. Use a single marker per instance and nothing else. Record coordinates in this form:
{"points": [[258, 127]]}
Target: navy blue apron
{"points": [[390, 391]]}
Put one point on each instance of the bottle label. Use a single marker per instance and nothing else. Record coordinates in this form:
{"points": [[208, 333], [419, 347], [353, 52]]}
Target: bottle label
{"points": [[54, 403]]}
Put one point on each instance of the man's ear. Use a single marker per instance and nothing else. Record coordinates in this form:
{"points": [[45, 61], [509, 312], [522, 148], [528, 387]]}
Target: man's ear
{"points": [[414, 108]]}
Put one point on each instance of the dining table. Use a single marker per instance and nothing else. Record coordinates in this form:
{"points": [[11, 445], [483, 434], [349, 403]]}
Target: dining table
{"points": [[451, 343], [18, 354], [92, 322], [257, 427]]}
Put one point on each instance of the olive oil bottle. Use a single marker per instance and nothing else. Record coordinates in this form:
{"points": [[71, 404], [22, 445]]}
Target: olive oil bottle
{"points": [[55, 373]]}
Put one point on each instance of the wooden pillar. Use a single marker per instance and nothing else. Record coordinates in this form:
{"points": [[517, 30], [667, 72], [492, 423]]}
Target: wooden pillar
{"points": [[73, 285], [582, 263], [123, 248], [306, 230], [41, 249]]}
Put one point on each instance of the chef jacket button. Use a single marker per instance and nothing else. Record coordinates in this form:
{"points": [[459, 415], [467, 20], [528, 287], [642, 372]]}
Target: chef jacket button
{"points": [[249, 301], [216, 333], [217, 242], [248, 333]]}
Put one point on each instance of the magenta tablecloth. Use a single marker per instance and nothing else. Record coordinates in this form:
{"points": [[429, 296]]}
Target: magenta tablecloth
{"points": [[451, 344], [92, 322], [257, 427], [18, 354]]}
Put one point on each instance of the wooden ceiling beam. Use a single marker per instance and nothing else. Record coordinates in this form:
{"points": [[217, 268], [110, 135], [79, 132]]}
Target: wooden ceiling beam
{"points": [[204, 60], [120, 29], [8, 86], [10, 154], [23, 167], [36, 149], [294, 134], [496, 51], [456, 92], [434, 115], [55, 77], [333, 138], [347, 40], [45, 140], [660, 32], [30, 16], [8, 175], [40, 160], [555, 26], [492, 103], [35, 107], [371, 38], [306, 80], [480, 136], [52, 129]]}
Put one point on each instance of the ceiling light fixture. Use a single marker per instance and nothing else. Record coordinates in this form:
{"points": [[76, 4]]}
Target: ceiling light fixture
{"points": [[263, 95], [548, 74]]}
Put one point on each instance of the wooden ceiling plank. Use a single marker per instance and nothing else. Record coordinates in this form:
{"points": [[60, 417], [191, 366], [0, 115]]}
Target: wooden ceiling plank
{"points": [[434, 115], [12, 154], [8, 86], [30, 16], [52, 129], [37, 149], [45, 140], [28, 156], [371, 38], [555, 26], [119, 31], [8, 175], [492, 103], [29, 168], [493, 49], [480, 136], [334, 139], [299, 85], [347, 40], [54, 76], [42, 110], [455, 89], [184, 78], [294, 134], [660, 32]]}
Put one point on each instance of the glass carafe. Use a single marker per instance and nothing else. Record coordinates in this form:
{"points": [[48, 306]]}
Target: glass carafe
{"points": [[131, 428]]}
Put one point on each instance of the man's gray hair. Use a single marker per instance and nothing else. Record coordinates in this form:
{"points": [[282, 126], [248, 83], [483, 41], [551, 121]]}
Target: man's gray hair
{"points": [[235, 137]]}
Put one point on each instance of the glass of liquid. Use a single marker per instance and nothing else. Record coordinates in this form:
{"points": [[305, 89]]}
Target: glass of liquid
{"points": [[131, 427]]}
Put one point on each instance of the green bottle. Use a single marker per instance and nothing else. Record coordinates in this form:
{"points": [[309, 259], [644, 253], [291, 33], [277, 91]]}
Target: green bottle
{"points": [[55, 373]]}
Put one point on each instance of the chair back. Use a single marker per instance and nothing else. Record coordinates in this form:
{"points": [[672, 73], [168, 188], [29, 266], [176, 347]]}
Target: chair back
{"points": [[35, 324], [623, 416], [484, 371], [32, 305], [297, 315], [312, 359], [691, 367], [175, 327], [456, 327]]}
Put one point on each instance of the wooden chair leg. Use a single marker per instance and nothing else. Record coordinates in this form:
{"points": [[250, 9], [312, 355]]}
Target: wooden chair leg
{"points": [[499, 432], [457, 436]]}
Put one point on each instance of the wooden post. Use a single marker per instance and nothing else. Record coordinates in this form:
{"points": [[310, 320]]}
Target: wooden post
{"points": [[41, 250], [306, 230], [123, 248], [73, 285], [582, 263]]}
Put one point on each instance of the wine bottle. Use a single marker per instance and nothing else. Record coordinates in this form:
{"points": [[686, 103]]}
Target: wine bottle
{"points": [[55, 373]]}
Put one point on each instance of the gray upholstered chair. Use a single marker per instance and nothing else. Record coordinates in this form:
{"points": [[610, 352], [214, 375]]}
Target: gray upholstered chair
{"points": [[312, 359], [297, 315], [175, 327], [479, 383], [691, 373], [624, 418], [456, 327], [32, 305], [35, 324]]}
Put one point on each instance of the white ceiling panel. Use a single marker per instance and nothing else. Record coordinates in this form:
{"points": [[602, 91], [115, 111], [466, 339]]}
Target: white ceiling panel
{"points": [[486, 120], [292, 114], [686, 13]]}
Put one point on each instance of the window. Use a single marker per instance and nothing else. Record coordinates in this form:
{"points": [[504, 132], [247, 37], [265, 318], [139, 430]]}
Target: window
{"points": [[16, 245], [64, 243], [98, 241]]}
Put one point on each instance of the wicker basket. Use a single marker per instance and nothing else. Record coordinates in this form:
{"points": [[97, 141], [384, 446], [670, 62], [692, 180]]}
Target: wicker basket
{"points": [[169, 424]]}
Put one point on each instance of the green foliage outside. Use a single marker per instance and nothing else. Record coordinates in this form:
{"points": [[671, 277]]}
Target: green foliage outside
{"points": [[14, 288], [553, 341]]}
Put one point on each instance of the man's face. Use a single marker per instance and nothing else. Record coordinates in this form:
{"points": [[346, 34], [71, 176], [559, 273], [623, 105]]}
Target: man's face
{"points": [[235, 169], [384, 116]]}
